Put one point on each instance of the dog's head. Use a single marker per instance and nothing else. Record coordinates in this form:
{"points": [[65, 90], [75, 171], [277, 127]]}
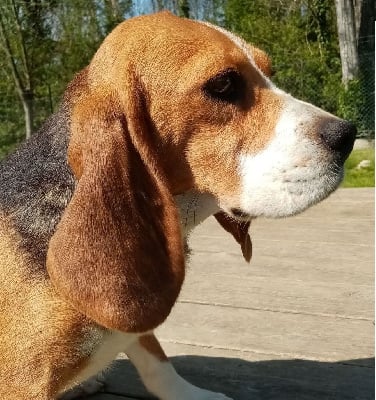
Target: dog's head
{"points": [[168, 105]]}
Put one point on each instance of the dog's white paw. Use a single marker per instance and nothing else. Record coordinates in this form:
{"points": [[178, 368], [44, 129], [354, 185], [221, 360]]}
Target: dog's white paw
{"points": [[91, 386]]}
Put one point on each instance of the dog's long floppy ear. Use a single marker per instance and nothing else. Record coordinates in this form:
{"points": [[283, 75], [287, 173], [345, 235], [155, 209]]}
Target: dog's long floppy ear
{"points": [[239, 231], [117, 253]]}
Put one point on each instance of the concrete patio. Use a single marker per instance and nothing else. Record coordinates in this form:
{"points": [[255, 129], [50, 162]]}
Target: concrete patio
{"points": [[297, 323]]}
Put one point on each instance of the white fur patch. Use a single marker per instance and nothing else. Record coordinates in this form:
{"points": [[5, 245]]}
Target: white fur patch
{"points": [[292, 172], [194, 208], [161, 379], [107, 345]]}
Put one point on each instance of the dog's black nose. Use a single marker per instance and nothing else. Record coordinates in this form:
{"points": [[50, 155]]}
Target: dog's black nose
{"points": [[338, 135]]}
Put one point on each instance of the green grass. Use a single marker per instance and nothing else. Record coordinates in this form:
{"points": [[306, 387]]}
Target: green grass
{"points": [[364, 177]]}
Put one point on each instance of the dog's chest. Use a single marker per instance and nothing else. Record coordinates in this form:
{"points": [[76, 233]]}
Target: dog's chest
{"points": [[103, 346]]}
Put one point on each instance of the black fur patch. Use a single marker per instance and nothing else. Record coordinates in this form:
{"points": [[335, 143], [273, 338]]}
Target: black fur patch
{"points": [[36, 184]]}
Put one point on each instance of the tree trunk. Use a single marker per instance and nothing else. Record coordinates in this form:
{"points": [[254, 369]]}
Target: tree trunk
{"points": [[347, 40], [357, 16], [366, 40], [27, 98]]}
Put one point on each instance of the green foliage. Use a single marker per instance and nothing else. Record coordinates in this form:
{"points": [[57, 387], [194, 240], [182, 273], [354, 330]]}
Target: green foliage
{"points": [[356, 104], [60, 38], [350, 101], [301, 38], [10, 137], [360, 177], [50, 42], [11, 120], [11, 125]]}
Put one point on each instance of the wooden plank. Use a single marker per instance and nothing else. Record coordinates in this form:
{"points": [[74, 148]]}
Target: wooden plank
{"points": [[275, 333], [247, 375], [280, 294], [296, 324]]}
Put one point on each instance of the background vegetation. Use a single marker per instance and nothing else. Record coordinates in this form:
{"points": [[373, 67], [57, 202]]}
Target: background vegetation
{"points": [[356, 176], [43, 43]]}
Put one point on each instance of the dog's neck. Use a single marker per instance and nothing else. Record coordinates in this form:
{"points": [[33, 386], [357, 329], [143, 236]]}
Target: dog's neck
{"points": [[194, 208]]}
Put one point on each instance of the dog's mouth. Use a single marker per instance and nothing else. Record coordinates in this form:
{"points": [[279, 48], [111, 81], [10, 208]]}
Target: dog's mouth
{"points": [[285, 190], [305, 191]]}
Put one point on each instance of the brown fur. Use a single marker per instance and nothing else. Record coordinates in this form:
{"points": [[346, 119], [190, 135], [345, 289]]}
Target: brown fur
{"points": [[121, 229], [204, 131], [43, 334], [239, 231], [118, 124], [141, 131]]}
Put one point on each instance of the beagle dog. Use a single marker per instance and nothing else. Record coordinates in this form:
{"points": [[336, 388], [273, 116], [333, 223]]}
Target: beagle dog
{"points": [[173, 121]]}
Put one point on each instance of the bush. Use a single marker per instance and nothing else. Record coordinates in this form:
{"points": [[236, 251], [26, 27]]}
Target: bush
{"points": [[354, 105]]}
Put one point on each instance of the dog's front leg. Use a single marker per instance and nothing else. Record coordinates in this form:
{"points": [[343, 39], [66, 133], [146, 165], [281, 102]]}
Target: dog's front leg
{"points": [[160, 377]]}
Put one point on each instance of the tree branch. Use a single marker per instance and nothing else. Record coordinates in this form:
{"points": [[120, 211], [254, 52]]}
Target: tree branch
{"points": [[23, 48], [8, 51]]}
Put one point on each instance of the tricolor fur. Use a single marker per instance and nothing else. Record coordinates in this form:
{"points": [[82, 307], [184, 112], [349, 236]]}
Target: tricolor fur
{"points": [[172, 121]]}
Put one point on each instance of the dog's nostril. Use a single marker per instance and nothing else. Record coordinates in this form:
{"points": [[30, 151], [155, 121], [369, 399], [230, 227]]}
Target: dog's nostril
{"points": [[338, 135]]}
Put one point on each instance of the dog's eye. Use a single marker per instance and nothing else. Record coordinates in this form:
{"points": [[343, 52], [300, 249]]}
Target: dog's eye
{"points": [[226, 86]]}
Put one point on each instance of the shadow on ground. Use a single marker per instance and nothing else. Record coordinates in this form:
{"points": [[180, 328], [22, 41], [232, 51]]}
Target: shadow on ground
{"points": [[261, 380]]}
